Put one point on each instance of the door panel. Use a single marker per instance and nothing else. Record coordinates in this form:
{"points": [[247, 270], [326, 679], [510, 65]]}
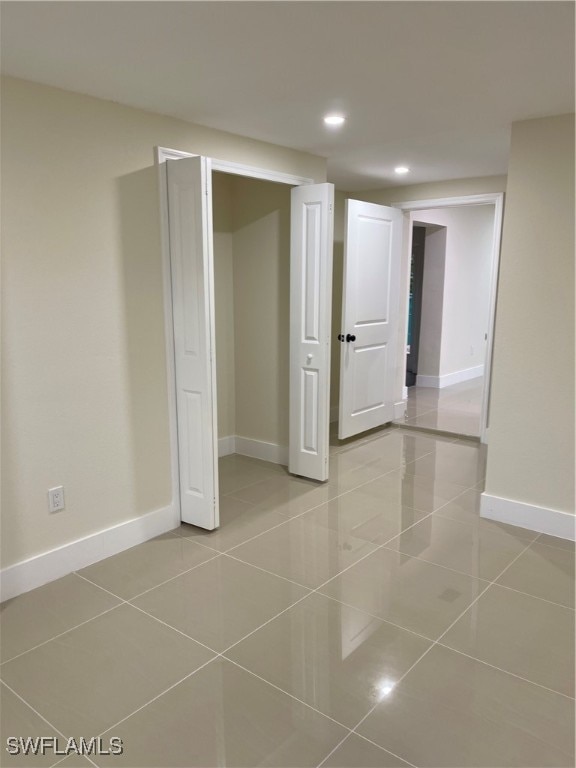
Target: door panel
{"points": [[192, 267], [372, 253], [310, 312]]}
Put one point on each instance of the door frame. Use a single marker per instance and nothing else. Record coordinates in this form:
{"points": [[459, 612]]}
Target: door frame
{"points": [[408, 207], [161, 155]]}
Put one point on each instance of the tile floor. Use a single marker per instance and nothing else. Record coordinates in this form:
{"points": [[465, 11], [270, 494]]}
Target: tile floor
{"points": [[453, 409], [374, 620]]}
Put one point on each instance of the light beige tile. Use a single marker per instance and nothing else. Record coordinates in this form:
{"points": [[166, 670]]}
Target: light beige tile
{"points": [[455, 462], [43, 613], [335, 658], [17, 720], [554, 541], [355, 752], [146, 565], [220, 716], [303, 552], [74, 761], [221, 601], [239, 521], [448, 421], [405, 591], [543, 571], [452, 711], [289, 496], [236, 472], [365, 514], [96, 674], [423, 493], [521, 634], [482, 550], [465, 507]]}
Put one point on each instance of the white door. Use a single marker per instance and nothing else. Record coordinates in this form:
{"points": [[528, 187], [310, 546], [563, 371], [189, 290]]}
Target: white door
{"points": [[312, 218], [192, 265], [370, 309]]}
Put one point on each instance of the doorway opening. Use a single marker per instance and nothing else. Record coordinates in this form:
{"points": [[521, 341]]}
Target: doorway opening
{"points": [[450, 317], [186, 192]]}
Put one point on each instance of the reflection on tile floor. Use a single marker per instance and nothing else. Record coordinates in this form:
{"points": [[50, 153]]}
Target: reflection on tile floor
{"points": [[450, 409], [375, 620]]}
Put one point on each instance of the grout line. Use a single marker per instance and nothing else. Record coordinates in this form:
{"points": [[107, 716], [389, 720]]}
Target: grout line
{"points": [[245, 637], [178, 682], [93, 583], [270, 573], [172, 578], [554, 546], [378, 618], [536, 597], [506, 671], [431, 562], [338, 745], [365, 738], [273, 685], [175, 629], [48, 723], [60, 634], [437, 641]]}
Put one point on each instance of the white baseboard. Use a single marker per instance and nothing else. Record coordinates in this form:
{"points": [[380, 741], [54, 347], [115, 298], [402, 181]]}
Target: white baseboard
{"points": [[48, 566], [541, 519], [399, 409], [448, 379], [404, 393], [258, 449], [226, 445], [334, 414]]}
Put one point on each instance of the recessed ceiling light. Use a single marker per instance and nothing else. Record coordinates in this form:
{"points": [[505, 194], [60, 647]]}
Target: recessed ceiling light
{"points": [[334, 120], [401, 170]]}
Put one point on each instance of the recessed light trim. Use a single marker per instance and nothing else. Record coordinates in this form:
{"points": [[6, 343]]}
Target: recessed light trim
{"points": [[334, 120], [401, 170]]}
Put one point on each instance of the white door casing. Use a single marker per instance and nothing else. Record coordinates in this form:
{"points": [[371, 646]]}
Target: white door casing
{"points": [[192, 272], [370, 316], [311, 243]]}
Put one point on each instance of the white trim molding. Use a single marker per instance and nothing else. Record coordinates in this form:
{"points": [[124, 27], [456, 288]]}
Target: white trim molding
{"points": [[254, 449], [541, 519], [448, 379], [258, 449], [226, 445], [48, 566], [161, 154], [400, 409]]}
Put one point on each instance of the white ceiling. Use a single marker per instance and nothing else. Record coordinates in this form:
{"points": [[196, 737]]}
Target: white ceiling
{"points": [[432, 85]]}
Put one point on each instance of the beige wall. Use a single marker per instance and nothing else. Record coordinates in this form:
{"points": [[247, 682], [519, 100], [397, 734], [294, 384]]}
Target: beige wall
{"points": [[84, 397], [531, 448], [439, 189], [464, 298], [261, 309], [224, 302]]}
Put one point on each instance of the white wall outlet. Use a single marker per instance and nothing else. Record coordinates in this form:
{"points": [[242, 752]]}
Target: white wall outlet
{"points": [[56, 498]]}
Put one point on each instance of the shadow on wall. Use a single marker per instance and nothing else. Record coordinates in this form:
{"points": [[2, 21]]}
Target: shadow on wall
{"points": [[145, 375]]}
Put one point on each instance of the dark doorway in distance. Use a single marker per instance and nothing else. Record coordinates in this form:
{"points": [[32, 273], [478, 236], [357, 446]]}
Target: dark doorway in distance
{"points": [[415, 303]]}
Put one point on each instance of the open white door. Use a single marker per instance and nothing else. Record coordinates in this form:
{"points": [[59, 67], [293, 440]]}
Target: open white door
{"points": [[192, 265], [312, 226], [370, 309]]}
